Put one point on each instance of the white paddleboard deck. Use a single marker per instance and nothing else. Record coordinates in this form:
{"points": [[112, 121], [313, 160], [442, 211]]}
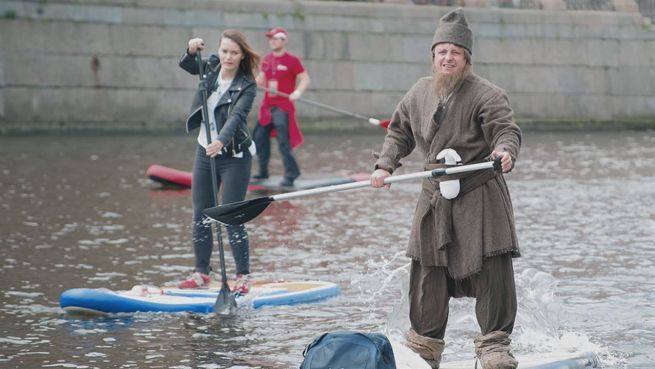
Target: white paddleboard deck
{"points": [[408, 359]]}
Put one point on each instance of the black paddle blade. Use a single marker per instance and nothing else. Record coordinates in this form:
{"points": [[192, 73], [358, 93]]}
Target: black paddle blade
{"points": [[238, 212], [225, 301]]}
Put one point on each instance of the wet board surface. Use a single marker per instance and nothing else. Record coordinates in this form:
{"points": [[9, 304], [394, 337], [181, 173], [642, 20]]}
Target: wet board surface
{"points": [[407, 359]]}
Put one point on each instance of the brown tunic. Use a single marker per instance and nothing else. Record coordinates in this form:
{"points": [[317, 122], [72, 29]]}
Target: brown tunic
{"points": [[478, 223]]}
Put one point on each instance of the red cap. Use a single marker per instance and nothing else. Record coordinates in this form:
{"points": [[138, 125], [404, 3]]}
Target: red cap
{"points": [[276, 32]]}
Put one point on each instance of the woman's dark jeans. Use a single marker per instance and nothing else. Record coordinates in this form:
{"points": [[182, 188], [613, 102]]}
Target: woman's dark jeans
{"points": [[233, 174]]}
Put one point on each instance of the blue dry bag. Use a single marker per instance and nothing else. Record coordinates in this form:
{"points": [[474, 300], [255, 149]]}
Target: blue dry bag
{"points": [[349, 350]]}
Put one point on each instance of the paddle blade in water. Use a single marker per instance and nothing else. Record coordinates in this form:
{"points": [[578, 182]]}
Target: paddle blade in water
{"points": [[238, 212], [225, 303]]}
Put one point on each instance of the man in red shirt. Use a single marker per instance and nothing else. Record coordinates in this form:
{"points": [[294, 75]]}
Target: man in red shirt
{"points": [[284, 79]]}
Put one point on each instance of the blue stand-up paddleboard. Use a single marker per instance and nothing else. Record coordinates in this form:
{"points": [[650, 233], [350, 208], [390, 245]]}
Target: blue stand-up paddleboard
{"points": [[156, 299]]}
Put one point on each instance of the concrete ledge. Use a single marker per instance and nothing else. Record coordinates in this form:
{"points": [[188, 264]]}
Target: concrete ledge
{"points": [[204, 12], [334, 126], [114, 62]]}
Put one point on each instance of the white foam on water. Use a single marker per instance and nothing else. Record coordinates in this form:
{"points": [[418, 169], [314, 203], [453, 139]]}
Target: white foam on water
{"points": [[90, 331], [539, 342], [103, 241], [15, 340], [65, 365], [167, 225], [174, 267], [109, 214], [200, 336], [23, 294], [95, 354], [537, 334], [28, 308], [106, 276]]}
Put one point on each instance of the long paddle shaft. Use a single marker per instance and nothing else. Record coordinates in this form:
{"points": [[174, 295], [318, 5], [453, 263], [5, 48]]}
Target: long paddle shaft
{"points": [[243, 211], [225, 301], [373, 121]]}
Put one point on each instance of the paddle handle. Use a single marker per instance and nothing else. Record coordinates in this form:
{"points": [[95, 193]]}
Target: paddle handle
{"points": [[439, 172], [373, 121], [225, 300]]}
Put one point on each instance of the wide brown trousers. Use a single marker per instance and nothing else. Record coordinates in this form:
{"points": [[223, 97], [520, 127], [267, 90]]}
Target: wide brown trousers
{"points": [[493, 288]]}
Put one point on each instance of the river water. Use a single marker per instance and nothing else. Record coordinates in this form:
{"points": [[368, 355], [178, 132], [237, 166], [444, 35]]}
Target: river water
{"points": [[77, 211]]}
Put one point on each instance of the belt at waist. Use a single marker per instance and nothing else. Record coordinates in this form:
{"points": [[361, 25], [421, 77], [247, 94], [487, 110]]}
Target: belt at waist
{"points": [[441, 208], [467, 181]]}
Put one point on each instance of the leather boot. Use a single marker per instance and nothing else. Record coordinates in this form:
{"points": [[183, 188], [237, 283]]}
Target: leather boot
{"points": [[430, 349], [493, 351]]}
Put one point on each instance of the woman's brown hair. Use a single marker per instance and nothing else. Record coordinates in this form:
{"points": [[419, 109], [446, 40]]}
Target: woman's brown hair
{"points": [[250, 63]]}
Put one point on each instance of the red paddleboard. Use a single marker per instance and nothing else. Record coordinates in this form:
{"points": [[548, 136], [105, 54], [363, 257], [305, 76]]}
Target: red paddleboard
{"points": [[169, 176]]}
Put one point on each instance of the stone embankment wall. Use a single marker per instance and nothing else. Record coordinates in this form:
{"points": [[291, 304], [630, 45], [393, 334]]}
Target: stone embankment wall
{"points": [[112, 64]]}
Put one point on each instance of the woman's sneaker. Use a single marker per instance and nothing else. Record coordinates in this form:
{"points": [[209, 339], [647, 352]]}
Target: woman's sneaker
{"points": [[242, 284], [197, 280]]}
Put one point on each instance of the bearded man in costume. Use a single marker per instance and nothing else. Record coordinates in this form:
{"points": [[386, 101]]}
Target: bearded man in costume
{"points": [[463, 238]]}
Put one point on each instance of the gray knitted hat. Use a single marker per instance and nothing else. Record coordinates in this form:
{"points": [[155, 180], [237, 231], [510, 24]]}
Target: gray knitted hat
{"points": [[454, 29]]}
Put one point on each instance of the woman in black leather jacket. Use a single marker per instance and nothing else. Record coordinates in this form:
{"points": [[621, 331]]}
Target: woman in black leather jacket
{"points": [[230, 78]]}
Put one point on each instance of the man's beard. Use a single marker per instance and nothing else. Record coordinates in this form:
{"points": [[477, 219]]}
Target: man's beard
{"points": [[444, 84]]}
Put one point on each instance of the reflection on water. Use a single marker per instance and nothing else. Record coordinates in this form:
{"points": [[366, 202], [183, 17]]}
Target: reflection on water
{"points": [[78, 211]]}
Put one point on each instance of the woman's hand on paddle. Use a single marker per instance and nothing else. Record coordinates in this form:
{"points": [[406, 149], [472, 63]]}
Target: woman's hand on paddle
{"points": [[195, 44], [377, 178], [214, 148], [506, 161]]}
